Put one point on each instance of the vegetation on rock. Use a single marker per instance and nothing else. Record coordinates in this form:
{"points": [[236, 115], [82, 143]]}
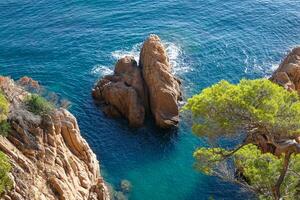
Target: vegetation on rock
{"points": [[5, 168], [38, 105], [4, 109], [253, 129], [4, 128]]}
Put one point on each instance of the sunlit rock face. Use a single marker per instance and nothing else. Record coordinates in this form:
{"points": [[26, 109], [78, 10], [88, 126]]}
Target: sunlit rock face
{"points": [[50, 158], [163, 88], [288, 72], [123, 93], [135, 90]]}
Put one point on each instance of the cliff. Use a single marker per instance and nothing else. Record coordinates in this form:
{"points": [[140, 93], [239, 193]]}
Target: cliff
{"points": [[50, 159], [135, 90]]}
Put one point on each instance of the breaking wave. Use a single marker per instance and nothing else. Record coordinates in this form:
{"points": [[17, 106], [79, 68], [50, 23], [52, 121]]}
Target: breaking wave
{"points": [[101, 70], [175, 53]]}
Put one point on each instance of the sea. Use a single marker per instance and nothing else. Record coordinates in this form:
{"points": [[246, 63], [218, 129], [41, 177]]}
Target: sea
{"points": [[68, 45]]}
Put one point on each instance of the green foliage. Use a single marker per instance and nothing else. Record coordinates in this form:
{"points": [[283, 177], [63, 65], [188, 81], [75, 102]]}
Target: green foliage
{"points": [[4, 107], [261, 171], [250, 107], [208, 159], [5, 168], [226, 109], [4, 128], [291, 184], [38, 105]]}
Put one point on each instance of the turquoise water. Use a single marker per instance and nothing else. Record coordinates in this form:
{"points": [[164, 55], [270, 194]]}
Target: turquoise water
{"points": [[68, 45]]}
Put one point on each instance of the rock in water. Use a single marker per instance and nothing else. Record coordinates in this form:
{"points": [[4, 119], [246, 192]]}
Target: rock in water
{"points": [[163, 88], [288, 72], [123, 93], [135, 90], [49, 157], [125, 186]]}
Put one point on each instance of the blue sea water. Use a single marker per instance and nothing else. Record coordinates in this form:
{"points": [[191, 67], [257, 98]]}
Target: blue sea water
{"points": [[68, 45]]}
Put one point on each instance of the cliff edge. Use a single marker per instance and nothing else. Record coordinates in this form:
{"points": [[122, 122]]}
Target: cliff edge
{"points": [[50, 159]]}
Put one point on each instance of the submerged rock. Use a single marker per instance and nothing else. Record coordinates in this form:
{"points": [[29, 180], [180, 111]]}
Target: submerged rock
{"points": [[126, 186], [288, 72], [50, 159], [163, 88], [132, 91]]}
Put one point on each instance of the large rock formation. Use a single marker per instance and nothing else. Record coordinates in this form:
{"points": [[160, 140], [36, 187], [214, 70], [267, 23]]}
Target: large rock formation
{"points": [[50, 159], [123, 93], [163, 88], [288, 72], [135, 90]]}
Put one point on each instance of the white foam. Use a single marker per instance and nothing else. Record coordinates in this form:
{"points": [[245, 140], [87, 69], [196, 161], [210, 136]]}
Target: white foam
{"points": [[174, 52], [101, 70], [266, 69], [135, 52], [175, 55], [274, 67]]}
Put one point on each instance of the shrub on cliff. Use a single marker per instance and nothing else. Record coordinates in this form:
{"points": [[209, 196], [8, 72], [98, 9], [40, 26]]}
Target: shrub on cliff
{"points": [[259, 122], [4, 128], [5, 168], [38, 105], [4, 109]]}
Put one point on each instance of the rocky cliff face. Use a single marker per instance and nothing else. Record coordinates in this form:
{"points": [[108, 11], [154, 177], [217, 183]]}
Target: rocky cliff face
{"points": [[288, 72], [132, 91], [50, 159]]}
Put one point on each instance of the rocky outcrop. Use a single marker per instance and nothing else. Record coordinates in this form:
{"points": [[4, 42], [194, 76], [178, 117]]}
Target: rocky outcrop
{"points": [[163, 88], [50, 159], [288, 72], [288, 76], [132, 91], [123, 93]]}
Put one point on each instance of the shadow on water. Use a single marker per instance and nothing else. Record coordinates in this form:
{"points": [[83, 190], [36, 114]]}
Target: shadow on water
{"points": [[114, 141], [209, 190], [162, 135]]}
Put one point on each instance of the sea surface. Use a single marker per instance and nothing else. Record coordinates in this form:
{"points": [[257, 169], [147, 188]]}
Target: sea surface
{"points": [[68, 45]]}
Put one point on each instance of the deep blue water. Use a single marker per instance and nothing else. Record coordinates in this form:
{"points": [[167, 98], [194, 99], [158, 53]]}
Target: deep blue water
{"points": [[68, 45]]}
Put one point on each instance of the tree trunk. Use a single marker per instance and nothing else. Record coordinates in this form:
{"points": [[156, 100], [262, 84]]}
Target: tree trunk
{"points": [[276, 189]]}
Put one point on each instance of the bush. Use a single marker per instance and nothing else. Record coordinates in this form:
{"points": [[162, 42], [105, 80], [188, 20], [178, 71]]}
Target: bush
{"points": [[38, 105], [4, 107], [5, 168], [4, 128]]}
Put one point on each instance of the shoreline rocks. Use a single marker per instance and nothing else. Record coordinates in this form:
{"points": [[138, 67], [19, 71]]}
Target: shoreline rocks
{"points": [[288, 72], [134, 91]]}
